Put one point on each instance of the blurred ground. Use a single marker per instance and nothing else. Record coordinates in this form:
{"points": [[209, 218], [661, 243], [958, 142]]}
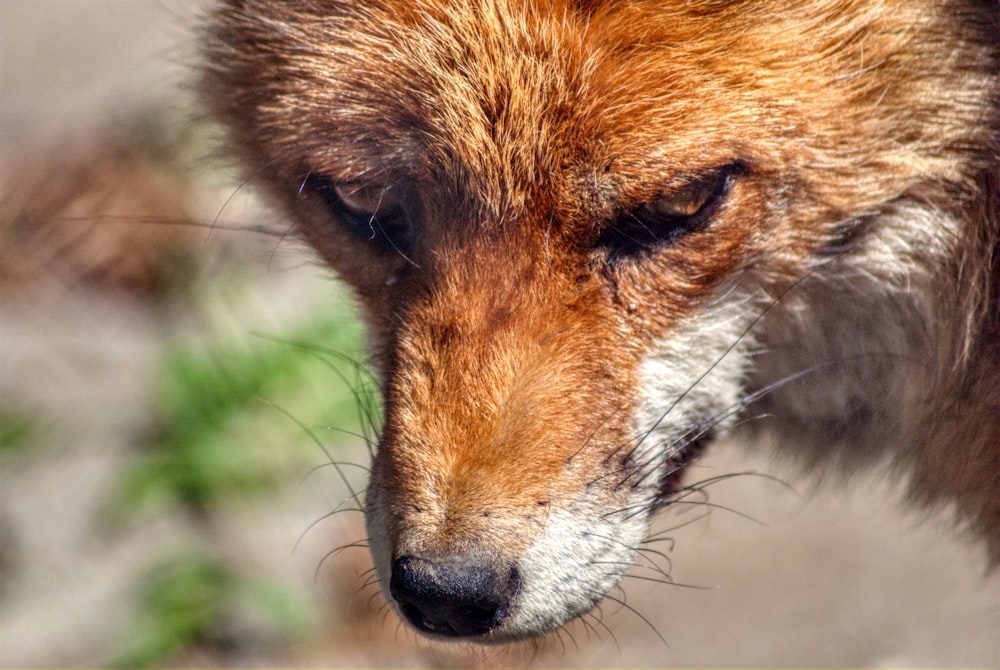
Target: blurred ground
{"points": [[837, 577]]}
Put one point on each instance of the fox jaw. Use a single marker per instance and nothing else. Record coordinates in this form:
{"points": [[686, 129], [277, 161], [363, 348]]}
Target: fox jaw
{"points": [[588, 237]]}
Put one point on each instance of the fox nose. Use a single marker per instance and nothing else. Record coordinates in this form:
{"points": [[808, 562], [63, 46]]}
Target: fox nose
{"points": [[457, 597]]}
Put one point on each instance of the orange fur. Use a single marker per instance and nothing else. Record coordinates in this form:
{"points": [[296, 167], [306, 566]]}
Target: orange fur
{"points": [[546, 376]]}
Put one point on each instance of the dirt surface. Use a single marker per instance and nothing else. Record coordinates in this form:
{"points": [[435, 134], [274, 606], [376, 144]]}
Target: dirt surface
{"points": [[779, 574]]}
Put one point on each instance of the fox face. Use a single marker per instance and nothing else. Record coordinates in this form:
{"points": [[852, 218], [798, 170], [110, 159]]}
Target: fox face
{"points": [[588, 238]]}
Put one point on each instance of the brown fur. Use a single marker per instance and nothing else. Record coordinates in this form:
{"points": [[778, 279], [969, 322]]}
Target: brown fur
{"points": [[852, 263]]}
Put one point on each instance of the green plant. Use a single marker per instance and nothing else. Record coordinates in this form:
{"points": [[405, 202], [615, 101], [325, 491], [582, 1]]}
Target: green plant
{"points": [[19, 430], [237, 417], [196, 599]]}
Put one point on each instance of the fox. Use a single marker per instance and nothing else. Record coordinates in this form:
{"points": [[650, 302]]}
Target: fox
{"points": [[589, 238]]}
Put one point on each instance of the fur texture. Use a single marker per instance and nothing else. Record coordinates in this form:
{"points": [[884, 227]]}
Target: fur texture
{"points": [[589, 236]]}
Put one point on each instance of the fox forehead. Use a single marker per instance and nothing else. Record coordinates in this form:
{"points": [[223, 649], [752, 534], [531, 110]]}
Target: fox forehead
{"points": [[579, 107], [500, 100]]}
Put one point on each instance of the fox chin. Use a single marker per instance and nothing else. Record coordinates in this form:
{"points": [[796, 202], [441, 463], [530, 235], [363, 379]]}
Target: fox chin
{"points": [[589, 237]]}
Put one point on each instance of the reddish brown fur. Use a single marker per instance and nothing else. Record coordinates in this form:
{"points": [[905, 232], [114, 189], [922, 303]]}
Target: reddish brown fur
{"points": [[864, 139]]}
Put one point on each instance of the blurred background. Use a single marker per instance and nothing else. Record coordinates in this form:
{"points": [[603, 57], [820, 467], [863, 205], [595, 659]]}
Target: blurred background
{"points": [[185, 425]]}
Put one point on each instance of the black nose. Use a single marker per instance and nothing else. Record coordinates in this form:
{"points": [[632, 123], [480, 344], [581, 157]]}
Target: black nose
{"points": [[457, 597]]}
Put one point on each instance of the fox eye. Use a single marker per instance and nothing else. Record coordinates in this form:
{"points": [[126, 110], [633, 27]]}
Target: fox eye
{"points": [[665, 220], [375, 213]]}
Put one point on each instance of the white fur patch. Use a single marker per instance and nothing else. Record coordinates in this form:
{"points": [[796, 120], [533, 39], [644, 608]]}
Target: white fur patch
{"points": [[691, 382], [692, 379], [579, 558]]}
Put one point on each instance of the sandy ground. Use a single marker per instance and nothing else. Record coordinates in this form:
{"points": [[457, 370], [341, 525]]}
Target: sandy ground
{"points": [[839, 576]]}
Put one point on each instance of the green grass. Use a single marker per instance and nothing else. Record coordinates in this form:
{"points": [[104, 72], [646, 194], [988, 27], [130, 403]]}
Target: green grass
{"points": [[196, 599], [19, 431], [237, 417]]}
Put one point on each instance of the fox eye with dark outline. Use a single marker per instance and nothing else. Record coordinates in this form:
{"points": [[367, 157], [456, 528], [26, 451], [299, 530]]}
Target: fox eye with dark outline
{"points": [[665, 220], [375, 213]]}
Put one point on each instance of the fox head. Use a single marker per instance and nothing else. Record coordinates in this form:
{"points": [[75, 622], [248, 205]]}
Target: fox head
{"points": [[579, 230]]}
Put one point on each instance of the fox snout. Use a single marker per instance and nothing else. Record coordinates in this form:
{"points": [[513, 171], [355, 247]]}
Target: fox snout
{"points": [[455, 596], [496, 510]]}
